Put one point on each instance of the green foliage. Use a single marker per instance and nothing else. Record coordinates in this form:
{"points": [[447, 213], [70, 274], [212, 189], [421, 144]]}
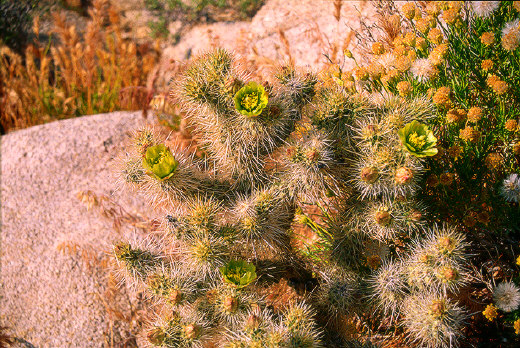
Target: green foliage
{"points": [[159, 28]]}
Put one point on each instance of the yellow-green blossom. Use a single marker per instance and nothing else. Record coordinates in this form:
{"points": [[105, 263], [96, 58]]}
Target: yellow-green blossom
{"points": [[238, 273], [160, 162], [418, 139], [251, 99]]}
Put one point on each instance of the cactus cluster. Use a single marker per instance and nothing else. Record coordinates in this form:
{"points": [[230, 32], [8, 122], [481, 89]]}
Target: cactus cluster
{"points": [[271, 149]]}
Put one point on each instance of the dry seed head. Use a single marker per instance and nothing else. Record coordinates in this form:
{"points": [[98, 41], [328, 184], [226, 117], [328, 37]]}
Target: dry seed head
{"points": [[511, 35], [423, 70], [506, 296], [484, 9]]}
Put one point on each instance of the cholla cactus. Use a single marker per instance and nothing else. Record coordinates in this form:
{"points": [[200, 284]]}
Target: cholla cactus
{"points": [[230, 215], [222, 211]]}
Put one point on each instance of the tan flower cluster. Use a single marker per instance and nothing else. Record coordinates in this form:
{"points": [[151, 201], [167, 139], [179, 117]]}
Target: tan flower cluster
{"points": [[469, 134], [456, 115], [442, 97], [423, 25], [497, 85], [452, 16], [433, 9], [487, 38], [403, 64], [487, 64], [511, 125], [361, 73], [474, 114], [516, 149], [378, 48], [455, 151], [404, 88], [409, 39], [389, 77], [420, 44], [438, 54], [409, 10], [494, 161], [435, 36], [446, 179], [432, 181], [375, 71], [490, 312]]}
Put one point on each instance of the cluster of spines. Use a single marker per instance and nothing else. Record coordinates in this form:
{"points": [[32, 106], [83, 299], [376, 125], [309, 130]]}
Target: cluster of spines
{"points": [[418, 288], [238, 144]]}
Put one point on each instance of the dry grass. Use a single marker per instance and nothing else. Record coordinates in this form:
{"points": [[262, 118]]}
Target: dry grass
{"points": [[80, 75]]}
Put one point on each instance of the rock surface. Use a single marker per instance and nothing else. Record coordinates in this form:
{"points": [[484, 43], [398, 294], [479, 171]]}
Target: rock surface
{"points": [[301, 30], [47, 295]]}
